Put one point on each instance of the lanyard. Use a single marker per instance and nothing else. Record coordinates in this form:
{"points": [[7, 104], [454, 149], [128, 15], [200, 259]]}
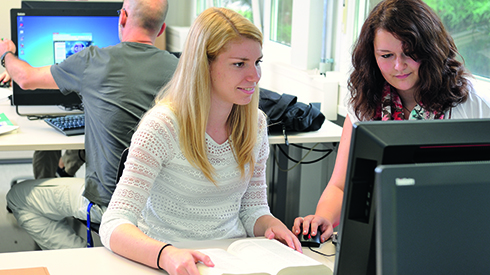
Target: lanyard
{"points": [[90, 242]]}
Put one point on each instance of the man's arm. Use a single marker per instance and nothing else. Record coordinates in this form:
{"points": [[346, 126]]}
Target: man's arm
{"points": [[26, 76]]}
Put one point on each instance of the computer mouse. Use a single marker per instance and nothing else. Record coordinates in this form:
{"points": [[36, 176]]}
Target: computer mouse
{"points": [[4, 84], [310, 241]]}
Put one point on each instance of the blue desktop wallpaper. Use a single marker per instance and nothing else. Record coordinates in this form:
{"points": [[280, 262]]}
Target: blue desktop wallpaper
{"points": [[35, 34]]}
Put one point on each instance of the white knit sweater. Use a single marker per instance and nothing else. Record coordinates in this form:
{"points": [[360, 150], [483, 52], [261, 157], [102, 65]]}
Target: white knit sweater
{"points": [[170, 200]]}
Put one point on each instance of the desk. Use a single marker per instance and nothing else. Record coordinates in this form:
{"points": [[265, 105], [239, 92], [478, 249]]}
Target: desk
{"points": [[99, 260], [33, 134], [38, 135]]}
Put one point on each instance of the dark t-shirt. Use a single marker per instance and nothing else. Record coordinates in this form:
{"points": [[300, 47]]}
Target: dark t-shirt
{"points": [[117, 85]]}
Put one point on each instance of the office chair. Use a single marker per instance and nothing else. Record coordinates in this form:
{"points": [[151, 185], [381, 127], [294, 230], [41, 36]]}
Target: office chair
{"points": [[95, 226]]}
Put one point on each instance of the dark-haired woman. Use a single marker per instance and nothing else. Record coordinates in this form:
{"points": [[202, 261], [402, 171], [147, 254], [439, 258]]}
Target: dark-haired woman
{"points": [[404, 67]]}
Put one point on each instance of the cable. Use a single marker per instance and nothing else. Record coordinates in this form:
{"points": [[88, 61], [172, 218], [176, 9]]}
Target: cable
{"points": [[80, 155], [315, 150], [329, 151], [301, 161], [297, 162], [332, 239], [323, 254], [38, 117]]}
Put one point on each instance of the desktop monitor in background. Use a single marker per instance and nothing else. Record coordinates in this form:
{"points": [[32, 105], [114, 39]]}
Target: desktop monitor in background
{"points": [[48, 36], [41, 4], [433, 218], [395, 142]]}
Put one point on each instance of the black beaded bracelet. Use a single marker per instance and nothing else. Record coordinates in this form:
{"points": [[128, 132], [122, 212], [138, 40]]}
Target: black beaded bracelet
{"points": [[159, 254], [2, 59]]}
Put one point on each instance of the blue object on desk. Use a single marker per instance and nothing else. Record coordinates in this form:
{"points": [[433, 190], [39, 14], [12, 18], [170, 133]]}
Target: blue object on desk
{"points": [[69, 125]]}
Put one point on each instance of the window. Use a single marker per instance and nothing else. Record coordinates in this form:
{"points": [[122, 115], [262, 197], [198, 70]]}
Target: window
{"points": [[281, 21], [469, 24], [243, 7]]}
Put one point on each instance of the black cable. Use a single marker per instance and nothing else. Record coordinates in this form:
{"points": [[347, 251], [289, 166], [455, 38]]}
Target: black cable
{"points": [[323, 254], [80, 155], [35, 117], [298, 162], [294, 166], [332, 239], [312, 149], [329, 151]]}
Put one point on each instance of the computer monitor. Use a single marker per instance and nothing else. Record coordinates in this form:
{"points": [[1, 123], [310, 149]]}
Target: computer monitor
{"points": [[41, 4], [48, 36], [395, 142], [432, 218]]}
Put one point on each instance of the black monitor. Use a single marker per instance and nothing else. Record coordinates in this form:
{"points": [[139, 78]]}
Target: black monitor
{"points": [[40, 4], [432, 218], [395, 142], [48, 36]]}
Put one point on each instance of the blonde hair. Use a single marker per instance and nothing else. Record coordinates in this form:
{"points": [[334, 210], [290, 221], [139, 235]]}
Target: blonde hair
{"points": [[188, 94]]}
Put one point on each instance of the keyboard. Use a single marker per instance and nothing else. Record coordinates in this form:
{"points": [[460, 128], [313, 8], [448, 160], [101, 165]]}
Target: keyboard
{"points": [[69, 125]]}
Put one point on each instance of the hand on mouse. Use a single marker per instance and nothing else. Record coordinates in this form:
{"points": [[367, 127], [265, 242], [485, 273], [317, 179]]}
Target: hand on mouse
{"points": [[316, 223], [5, 79]]}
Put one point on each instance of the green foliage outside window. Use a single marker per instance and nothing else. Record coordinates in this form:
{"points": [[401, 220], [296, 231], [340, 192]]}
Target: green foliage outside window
{"points": [[243, 7], [281, 21], [468, 21]]}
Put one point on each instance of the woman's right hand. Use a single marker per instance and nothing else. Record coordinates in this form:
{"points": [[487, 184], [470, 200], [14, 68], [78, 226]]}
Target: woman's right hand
{"points": [[183, 261], [316, 223]]}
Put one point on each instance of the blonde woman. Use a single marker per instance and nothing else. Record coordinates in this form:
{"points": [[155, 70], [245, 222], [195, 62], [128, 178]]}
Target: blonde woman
{"points": [[196, 165]]}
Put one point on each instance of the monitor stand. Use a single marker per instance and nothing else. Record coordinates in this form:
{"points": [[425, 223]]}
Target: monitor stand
{"points": [[42, 111]]}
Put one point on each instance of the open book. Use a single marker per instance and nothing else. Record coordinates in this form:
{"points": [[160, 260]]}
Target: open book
{"points": [[260, 256]]}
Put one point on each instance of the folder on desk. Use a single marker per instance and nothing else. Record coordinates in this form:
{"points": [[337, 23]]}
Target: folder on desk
{"points": [[30, 271], [6, 125]]}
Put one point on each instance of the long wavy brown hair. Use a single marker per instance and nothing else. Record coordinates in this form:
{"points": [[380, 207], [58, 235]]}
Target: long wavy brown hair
{"points": [[443, 79]]}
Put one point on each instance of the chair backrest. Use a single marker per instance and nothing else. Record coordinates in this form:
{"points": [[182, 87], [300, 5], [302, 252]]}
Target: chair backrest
{"points": [[120, 169]]}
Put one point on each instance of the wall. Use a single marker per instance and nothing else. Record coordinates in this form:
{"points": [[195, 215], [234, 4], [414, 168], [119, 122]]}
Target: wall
{"points": [[180, 13]]}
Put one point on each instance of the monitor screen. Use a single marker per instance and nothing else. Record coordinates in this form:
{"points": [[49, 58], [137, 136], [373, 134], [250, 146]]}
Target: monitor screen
{"points": [[48, 36], [432, 218], [395, 142]]}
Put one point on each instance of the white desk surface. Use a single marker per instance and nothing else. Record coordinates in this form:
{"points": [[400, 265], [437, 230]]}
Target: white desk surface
{"points": [[99, 260], [37, 135], [32, 134]]}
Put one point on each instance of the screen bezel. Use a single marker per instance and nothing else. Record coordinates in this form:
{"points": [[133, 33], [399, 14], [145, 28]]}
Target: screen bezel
{"points": [[71, 5], [48, 96]]}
